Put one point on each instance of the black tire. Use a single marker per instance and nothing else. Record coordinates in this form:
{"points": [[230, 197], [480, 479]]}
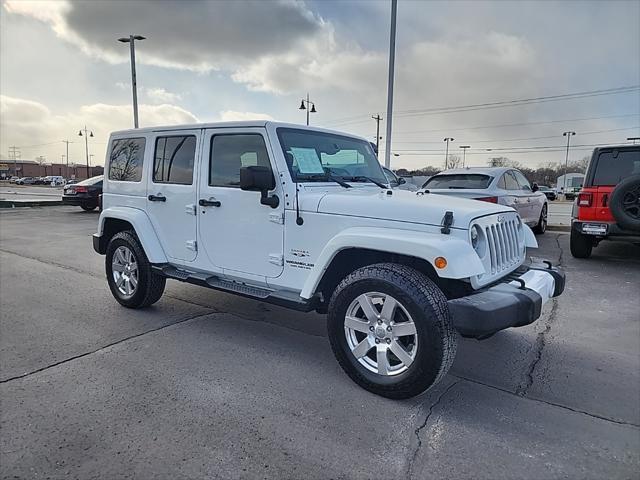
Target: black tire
{"points": [[581, 245], [88, 207], [625, 203], [150, 285], [541, 227], [427, 305]]}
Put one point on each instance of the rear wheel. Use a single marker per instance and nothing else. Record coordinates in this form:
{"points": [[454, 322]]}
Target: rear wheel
{"points": [[541, 227], [581, 245], [390, 330], [88, 207], [131, 279]]}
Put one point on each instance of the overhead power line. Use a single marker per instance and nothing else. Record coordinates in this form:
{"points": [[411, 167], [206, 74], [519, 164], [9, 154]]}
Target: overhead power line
{"points": [[497, 104]]}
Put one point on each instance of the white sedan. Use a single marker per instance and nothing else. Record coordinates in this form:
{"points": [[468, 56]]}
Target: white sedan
{"points": [[503, 185]]}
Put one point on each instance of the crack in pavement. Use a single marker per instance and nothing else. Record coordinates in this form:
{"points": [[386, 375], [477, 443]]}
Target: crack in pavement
{"points": [[546, 402], [423, 425], [122, 340]]}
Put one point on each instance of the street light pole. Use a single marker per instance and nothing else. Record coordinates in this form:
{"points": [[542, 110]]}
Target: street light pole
{"points": [[308, 102], [566, 160], [132, 48], [67, 142], [392, 63], [377, 118], [464, 153], [446, 155], [86, 135]]}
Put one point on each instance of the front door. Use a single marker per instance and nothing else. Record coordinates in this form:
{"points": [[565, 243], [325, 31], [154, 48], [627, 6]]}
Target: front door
{"points": [[518, 198], [171, 193], [237, 233]]}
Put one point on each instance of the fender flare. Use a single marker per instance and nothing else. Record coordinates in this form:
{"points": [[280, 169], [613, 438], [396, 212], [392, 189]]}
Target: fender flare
{"points": [[142, 226], [462, 260]]}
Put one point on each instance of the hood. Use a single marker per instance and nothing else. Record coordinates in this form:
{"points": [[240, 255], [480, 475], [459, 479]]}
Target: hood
{"points": [[404, 206]]}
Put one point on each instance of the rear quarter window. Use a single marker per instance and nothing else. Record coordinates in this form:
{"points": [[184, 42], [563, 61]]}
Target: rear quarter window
{"points": [[125, 159], [615, 165]]}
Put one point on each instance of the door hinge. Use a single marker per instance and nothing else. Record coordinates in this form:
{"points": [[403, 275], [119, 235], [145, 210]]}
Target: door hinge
{"points": [[192, 245], [277, 217], [276, 259]]}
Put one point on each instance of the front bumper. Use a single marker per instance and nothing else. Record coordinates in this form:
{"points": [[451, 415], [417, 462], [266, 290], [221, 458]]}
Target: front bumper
{"points": [[515, 303]]}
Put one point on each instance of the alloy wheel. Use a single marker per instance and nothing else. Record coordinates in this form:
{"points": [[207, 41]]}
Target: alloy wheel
{"points": [[381, 334], [124, 269]]}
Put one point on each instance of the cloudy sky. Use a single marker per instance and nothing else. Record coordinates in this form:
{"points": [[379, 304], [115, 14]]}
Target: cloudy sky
{"points": [[61, 68]]}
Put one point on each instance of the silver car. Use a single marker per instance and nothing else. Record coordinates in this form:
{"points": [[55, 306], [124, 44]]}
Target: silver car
{"points": [[503, 185]]}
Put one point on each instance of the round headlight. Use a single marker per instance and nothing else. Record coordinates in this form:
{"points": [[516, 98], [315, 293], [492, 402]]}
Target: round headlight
{"points": [[475, 235]]}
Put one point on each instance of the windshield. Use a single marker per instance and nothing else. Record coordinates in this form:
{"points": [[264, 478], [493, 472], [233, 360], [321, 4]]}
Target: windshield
{"points": [[462, 181], [315, 156]]}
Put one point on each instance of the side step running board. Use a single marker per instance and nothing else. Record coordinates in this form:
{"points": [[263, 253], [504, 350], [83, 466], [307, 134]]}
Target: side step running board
{"points": [[275, 297]]}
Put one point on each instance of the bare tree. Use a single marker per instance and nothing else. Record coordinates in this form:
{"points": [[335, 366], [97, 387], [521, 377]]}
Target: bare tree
{"points": [[453, 161]]}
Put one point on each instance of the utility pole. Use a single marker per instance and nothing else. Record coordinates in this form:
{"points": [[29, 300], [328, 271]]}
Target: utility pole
{"points": [[87, 134], [392, 62], [566, 161], [134, 86], [464, 153], [446, 155], [14, 154], [377, 118], [67, 142], [308, 102]]}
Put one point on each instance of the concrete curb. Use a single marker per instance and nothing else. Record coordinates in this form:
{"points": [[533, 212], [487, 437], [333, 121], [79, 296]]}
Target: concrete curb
{"points": [[29, 203], [559, 228]]}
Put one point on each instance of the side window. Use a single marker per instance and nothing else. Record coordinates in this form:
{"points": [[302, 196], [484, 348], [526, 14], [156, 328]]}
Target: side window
{"points": [[125, 161], [501, 183], [522, 181], [230, 152], [391, 177], [173, 159], [510, 181]]}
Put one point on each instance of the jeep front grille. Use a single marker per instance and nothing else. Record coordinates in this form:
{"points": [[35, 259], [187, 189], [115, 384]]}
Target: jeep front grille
{"points": [[503, 246]]}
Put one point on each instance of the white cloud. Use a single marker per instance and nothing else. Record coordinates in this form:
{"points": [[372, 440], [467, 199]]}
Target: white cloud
{"points": [[161, 95], [233, 116], [38, 131]]}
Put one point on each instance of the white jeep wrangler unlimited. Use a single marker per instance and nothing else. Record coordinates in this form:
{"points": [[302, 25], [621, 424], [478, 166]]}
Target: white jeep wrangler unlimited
{"points": [[303, 217]]}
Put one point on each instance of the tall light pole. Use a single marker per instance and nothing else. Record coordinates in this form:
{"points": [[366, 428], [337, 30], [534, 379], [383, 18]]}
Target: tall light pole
{"points": [[132, 47], [464, 153], [86, 135], [392, 63], [308, 102], [566, 160], [446, 155]]}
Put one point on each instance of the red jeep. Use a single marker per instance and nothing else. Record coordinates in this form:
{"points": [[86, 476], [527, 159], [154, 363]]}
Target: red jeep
{"points": [[608, 206]]}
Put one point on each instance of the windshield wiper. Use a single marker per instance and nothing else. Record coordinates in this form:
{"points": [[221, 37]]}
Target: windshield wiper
{"points": [[360, 178], [321, 176]]}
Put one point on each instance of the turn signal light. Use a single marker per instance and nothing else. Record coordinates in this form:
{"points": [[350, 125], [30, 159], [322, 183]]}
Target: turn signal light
{"points": [[488, 199], [585, 199], [440, 262]]}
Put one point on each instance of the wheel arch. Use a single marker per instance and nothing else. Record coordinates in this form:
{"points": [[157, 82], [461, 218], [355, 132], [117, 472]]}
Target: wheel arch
{"points": [[118, 219], [360, 246]]}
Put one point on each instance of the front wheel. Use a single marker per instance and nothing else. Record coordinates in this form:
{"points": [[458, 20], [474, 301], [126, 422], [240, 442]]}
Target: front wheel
{"points": [[131, 279], [390, 330]]}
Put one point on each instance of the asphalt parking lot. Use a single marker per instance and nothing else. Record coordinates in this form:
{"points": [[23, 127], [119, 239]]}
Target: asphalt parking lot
{"points": [[208, 385]]}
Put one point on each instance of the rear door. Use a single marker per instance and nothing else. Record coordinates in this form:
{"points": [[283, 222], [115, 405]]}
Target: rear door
{"points": [[171, 193]]}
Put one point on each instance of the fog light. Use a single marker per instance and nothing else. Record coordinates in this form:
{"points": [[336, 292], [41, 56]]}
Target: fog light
{"points": [[440, 262]]}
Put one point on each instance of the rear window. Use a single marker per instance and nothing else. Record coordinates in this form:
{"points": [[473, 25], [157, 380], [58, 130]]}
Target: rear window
{"points": [[125, 161], [463, 181], [616, 165]]}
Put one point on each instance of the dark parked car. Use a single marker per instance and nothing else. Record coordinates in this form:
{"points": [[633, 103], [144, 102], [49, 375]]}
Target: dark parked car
{"points": [[84, 194], [548, 192]]}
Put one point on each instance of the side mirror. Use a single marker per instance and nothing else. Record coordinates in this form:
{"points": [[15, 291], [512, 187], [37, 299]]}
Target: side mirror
{"points": [[534, 187], [401, 181], [259, 179]]}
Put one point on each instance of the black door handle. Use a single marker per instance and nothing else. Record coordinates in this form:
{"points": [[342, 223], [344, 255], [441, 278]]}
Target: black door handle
{"points": [[208, 203], [157, 198]]}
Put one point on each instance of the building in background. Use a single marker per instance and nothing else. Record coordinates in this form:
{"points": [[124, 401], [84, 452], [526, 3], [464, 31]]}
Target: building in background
{"points": [[31, 168]]}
